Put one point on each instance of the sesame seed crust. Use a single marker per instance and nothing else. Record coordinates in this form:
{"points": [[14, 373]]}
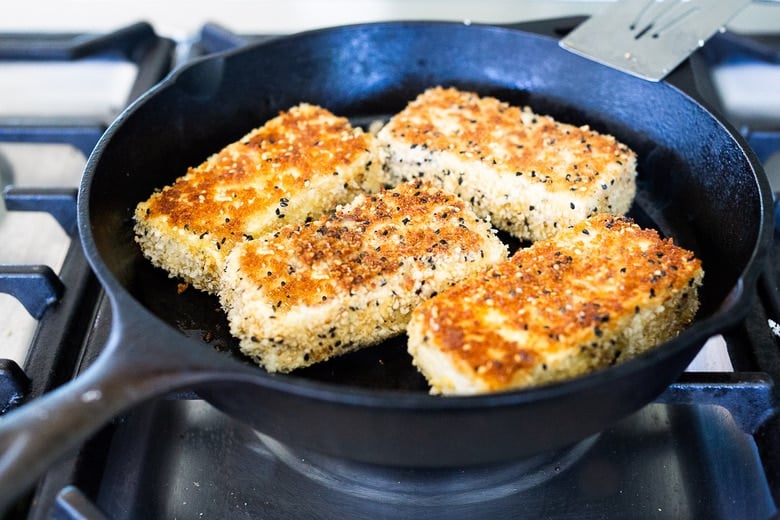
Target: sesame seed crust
{"points": [[297, 166], [599, 292], [350, 280], [530, 173]]}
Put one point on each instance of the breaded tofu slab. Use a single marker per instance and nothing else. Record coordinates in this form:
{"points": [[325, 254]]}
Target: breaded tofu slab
{"points": [[297, 166], [531, 175], [308, 292], [597, 293]]}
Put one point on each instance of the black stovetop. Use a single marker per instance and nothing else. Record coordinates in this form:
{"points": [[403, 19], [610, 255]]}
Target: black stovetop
{"points": [[709, 447]]}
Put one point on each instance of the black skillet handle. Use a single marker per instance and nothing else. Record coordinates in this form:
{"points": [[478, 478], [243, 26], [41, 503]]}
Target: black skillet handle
{"points": [[131, 369]]}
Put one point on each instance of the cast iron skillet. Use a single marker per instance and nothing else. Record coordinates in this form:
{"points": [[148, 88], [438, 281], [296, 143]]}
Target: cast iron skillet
{"points": [[697, 183]]}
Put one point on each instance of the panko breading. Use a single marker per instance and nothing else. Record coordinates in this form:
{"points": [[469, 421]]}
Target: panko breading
{"points": [[600, 292], [309, 292], [297, 166], [528, 173]]}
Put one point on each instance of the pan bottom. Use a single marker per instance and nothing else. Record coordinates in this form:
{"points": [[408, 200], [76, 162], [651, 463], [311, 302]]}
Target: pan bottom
{"points": [[426, 487]]}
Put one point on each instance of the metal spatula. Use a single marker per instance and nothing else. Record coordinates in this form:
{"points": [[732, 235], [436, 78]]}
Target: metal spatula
{"points": [[649, 38]]}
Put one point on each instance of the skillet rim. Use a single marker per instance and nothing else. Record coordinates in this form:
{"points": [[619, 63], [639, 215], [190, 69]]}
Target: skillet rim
{"points": [[735, 303]]}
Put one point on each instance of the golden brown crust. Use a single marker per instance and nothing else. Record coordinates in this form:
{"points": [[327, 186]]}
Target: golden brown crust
{"points": [[366, 242], [510, 138], [522, 321], [296, 166], [280, 157], [312, 291], [531, 174]]}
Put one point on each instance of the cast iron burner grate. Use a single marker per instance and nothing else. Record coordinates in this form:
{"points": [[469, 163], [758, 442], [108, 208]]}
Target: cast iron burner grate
{"points": [[64, 303], [708, 447], [136, 44]]}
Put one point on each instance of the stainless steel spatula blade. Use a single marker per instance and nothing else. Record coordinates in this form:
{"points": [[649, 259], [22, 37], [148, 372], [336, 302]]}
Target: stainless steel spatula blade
{"points": [[649, 38]]}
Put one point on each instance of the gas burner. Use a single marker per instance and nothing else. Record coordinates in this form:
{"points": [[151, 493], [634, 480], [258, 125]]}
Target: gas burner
{"points": [[426, 487], [191, 460]]}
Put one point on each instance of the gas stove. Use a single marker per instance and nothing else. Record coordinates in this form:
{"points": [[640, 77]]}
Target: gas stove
{"points": [[707, 447]]}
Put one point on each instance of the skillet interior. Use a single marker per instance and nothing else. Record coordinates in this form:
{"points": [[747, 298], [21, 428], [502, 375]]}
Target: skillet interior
{"points": [[695, 181]]}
